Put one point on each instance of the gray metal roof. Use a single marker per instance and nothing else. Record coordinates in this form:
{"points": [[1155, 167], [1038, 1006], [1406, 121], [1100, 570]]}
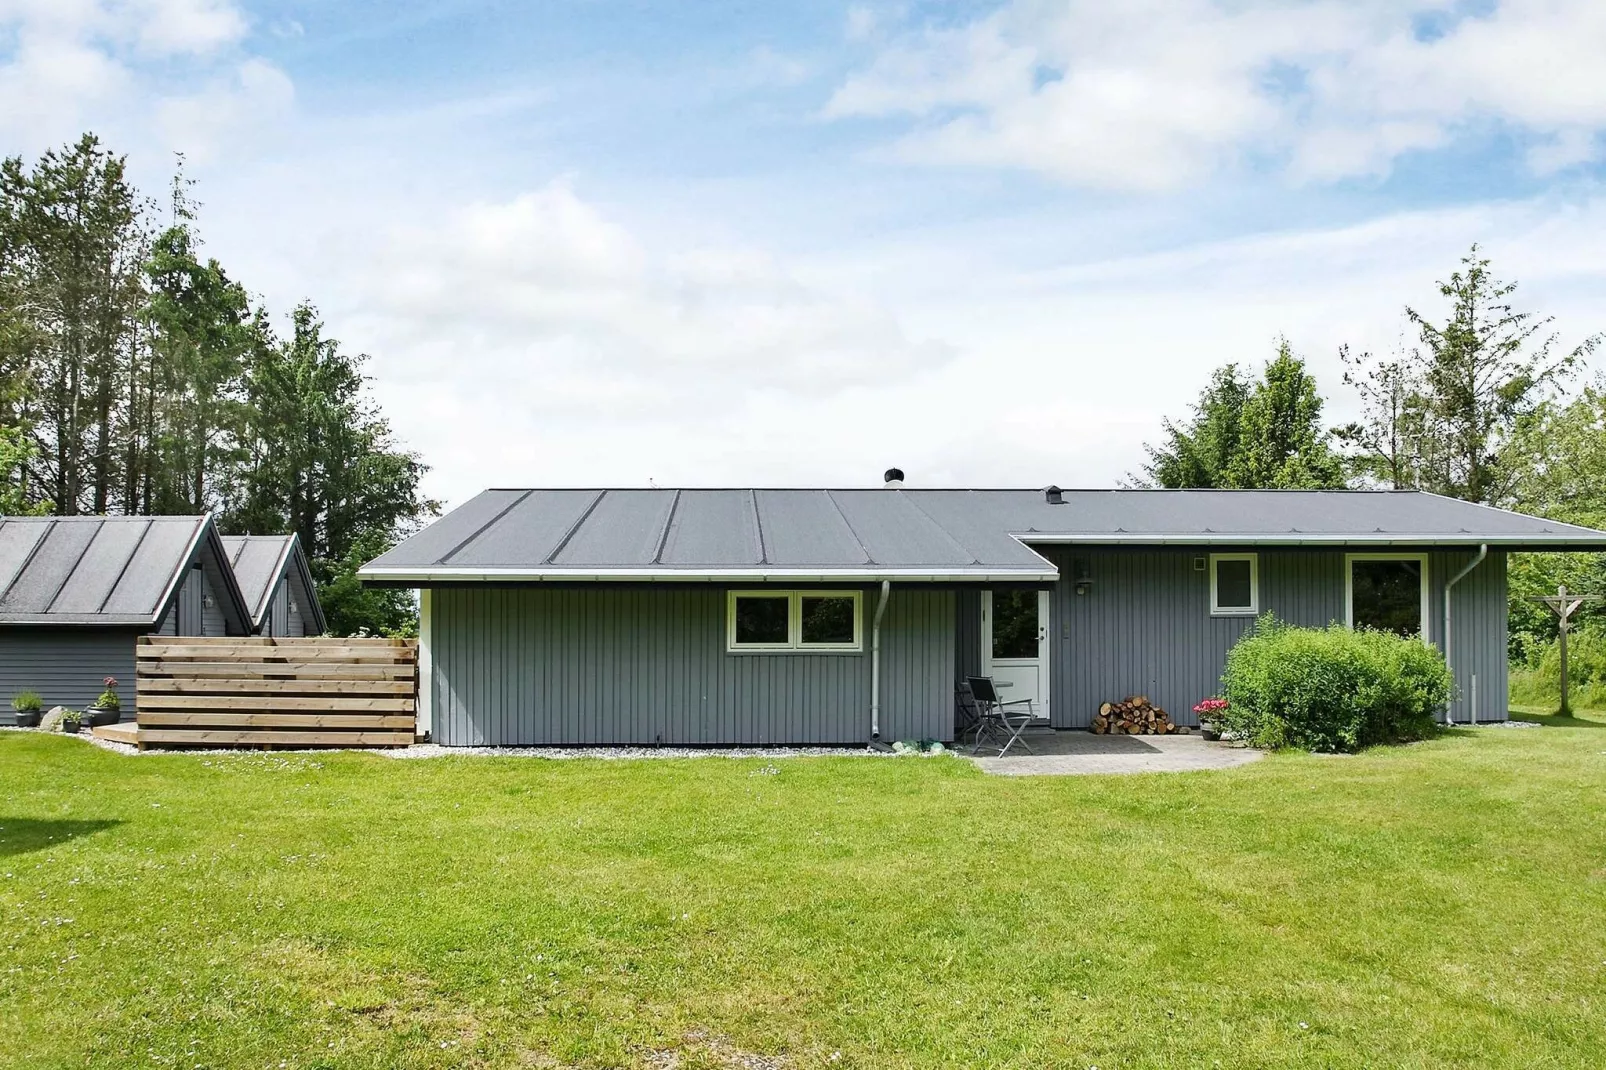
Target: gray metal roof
{"points": [[910, 534], [260, 562], [94, 569]]}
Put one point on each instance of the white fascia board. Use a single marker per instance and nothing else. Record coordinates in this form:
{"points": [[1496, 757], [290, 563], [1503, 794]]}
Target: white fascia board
{"points": [[178, 578], [469, 574], [1223, 538]]}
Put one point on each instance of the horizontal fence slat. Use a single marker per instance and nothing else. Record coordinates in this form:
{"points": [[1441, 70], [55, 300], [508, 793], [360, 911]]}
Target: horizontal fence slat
{"points": [[389, 704], [256, 653], [260, 737], [212, 719], [276, 692], [244, 669], [158, 686]]}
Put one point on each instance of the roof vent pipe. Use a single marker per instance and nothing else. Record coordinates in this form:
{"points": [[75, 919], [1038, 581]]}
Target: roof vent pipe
{"points": [[1483, 552], [893, 477]]}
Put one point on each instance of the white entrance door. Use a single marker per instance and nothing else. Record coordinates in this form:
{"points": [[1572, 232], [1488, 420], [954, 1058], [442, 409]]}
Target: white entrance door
{"points": [[1014, 645]]}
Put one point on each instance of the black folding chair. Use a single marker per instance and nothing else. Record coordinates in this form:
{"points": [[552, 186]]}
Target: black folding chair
{"points": [[967, 716], [999, 720]]}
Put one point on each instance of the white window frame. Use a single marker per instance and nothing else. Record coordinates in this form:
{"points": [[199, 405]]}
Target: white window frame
{"points": [[794, 624], [1253, 608], [1349, 584]]}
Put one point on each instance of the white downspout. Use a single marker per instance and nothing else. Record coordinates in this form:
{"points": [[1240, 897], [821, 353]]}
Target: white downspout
{"points": [[1483, 552], [425, 704], [875, 663]]}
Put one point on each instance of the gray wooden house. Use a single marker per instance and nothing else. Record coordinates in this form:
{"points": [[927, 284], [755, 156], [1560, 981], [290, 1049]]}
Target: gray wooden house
{"points": [[275, 579], [751, 616], [76, 593]]}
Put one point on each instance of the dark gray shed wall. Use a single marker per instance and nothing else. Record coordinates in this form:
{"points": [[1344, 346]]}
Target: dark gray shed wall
{"points": [[1145, 625], [645, 665], [67, 666]]}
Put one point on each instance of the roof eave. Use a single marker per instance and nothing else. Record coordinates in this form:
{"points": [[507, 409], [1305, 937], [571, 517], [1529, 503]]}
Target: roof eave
{"points": [[424, 576], [1537, 543]]}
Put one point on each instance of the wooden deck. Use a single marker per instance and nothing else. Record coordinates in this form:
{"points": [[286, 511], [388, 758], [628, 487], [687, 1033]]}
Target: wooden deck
{"points": [[121, 732]]}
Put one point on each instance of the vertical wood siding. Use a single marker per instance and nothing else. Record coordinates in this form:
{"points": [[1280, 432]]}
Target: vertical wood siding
{"points": [[67, 666], [1478, 615], [621, 666], [1145, 625]]}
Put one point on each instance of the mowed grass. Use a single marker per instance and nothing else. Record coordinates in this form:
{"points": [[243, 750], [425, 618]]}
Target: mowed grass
{"points": [[1437, 905]]}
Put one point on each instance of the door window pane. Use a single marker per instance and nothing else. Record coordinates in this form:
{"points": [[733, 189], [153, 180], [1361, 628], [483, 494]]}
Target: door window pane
{"points": [[828, 619], [762, 620], [1233, 585], [1014, 624], [1387, 595]]}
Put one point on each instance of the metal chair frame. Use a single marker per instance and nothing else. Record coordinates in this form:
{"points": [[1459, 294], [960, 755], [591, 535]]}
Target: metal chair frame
{"points": [[998, 719]]}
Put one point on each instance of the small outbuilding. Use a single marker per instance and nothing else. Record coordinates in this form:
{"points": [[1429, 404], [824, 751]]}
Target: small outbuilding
{"points": [[77, 592], [274, 576]]}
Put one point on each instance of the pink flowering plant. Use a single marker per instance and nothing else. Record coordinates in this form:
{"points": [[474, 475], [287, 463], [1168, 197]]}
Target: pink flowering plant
{"points": [[1210, 706], [108, 699]]}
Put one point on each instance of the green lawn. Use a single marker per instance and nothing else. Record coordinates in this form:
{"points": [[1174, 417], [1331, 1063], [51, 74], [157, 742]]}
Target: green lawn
{"points": [[1436, 905]]}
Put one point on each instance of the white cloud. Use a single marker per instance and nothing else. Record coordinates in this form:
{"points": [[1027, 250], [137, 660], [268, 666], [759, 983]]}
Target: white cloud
{"points": [[537, 338], [234, 108], [1155, 94], [74, 64]]}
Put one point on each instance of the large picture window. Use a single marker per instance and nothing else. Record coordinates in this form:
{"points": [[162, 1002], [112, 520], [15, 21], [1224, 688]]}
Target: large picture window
{"points": [[1234, 585], [795, 620], [1388, 592]]}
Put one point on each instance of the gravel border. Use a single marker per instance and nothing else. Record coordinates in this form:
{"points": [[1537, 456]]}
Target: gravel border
{"points": [[436, 750]]}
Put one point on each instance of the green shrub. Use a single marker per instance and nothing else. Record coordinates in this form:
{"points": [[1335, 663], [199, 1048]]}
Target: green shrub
{"points": [[27, 701], [1331, 689]]}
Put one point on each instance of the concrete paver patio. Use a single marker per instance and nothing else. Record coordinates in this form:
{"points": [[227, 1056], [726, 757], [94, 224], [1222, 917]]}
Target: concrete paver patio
{"points": [[1071, 752]]}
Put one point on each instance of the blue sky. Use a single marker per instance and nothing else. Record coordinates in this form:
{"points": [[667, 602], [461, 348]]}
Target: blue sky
{"points": [[703, 243]]}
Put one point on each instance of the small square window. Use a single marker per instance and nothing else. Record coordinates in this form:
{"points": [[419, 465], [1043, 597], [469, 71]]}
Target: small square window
{"points": [[1234, 584], [762, 620]]}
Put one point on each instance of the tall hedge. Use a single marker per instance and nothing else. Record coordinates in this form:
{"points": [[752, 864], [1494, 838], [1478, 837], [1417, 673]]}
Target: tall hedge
{"points": [[1331, 689]]}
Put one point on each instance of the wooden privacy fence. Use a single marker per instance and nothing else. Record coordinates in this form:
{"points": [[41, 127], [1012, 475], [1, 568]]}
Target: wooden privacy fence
{"points": [[276, 691]]}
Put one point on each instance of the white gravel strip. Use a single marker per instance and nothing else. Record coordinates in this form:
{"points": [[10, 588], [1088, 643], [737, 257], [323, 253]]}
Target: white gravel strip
{"points": [[435, 750], [1501, 724]]}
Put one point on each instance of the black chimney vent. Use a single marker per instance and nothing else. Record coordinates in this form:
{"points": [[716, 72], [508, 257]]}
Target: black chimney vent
{"points": [[1053, 495], [893, 477]]}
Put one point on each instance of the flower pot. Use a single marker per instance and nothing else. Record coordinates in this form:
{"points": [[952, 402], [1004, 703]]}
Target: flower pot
{"points": [[28, 718], [70, 727], [96, 716], [1209, 730]]}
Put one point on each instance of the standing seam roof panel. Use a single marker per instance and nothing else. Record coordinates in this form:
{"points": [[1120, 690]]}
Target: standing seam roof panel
{"points": [[623, 530], [804, 527], [50, 568], [895, 532], [17, 540], [100, 569], [531, 531], [152, 567], [713, 528], [438, 540]]}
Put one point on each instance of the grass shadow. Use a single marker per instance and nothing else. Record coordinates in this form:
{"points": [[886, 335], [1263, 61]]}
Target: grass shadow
{"points": [[19, 835], [1588, 719]]}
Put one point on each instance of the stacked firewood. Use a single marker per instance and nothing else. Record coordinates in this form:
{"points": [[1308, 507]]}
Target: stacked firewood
{"points": [[1134, 715]]}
